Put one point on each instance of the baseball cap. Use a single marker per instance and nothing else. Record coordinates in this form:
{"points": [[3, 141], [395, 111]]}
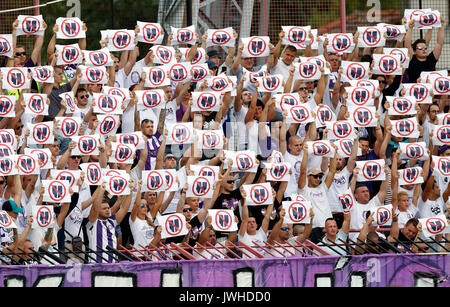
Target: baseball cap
{"points": [[211, 64], [314, 171], [11, 206], [213, 53]]}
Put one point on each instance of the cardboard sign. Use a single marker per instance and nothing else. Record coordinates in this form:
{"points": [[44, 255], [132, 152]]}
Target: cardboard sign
{"points": [[172, 225], [150, 33], [93, 75], [206, 171], [285, 101], [15, 78], [428, 20], [156, 76], [41, 133], [36, 104], [278, 171], [199, 72], [307, 71], [7, 106], [416, 151], [441, 85], [8, 136], [296, 36], [220, 84], [371, 37], [151, 99], [393, 32], [180, 133], [382, 215], [200, 186], [72, 176], [441, 135], [345, 148], [354, 71], [30, 25], [321, 148], [199, 58], [441, 166], [402, 105], [210, 139], [432, 226], [43, 216], [6, 221], [86, 145], [27, 164], [180, 72], [8, 166], [360, 96], [6, 45], [44, 155], [411, 175], [363, 116], [98, 58], [324, 115], [121, 40], [297, 212], [243, 161], [420, 91], [70, 28], [340, 43], [387, 64], [255, 46], [56, 191], [43, 74], [220, 37], [405, 128], [301, 114], [92, 173], [205, 101], [107, 104], [182, 36], [154, 181], [117, 185], [319, 60], [371, 170], [223, 220], [134, 138], [107, 124], [258, 194], [122, 153], [347, 200], [342, 129], [252, 76], [164, 55], [69, 55], [69, 99], [402, 52]]}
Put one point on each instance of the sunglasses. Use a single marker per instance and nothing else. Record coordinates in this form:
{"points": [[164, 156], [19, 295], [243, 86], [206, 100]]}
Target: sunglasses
{"points": [[84, 96], [19, 127], [144, 205], [303, 89], [230, 181], [284, 228], [422, 48], [18, 54], [317, 176], [2, 182], [76, 157], [382, 81], [187, 209]]}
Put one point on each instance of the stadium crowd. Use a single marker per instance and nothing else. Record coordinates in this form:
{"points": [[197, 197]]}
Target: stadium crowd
{"points": [[328, 138]]}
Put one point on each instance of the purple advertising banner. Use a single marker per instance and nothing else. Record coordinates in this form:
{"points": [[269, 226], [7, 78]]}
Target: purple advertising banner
{"points": [[369, 270]]}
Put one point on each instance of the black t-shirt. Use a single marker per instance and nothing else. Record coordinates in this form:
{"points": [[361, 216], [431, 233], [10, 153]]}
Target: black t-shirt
{"points": [[416, 67], [230, 201]]}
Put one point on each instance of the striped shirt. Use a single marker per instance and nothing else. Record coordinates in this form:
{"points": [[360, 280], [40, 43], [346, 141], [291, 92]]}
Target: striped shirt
{"points": [[102, 234]]}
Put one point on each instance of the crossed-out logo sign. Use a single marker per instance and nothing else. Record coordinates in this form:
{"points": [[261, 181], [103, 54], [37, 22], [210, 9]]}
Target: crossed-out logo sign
{"points": [[259, 194], [31, 25], [346, 202], [219, 84], [299, 113], [5, 46], [199, 55], [107, 125], [44, 217], [210, 139], [164, 54], [151, 99], [180, 134], [16, 78], [26, 164], [207, 171], [178, 73], [206, 101], [442, 85], [362, 116], [198, 72], [69, 101], [308, 70], [41, 133], [371, 36], [169, 177], [6, 166], [360, 96], [220, 37], [271, 83], [371, 170], [201, 186], [87, 145], [174, 225], [288, 99], [107, 104], [401, 53], [94, 75], [428, 19], [43, 74], [56, 190], [435, 225], [321, 148], [6, 105], [410, 175], [117, 184], [42, 156], [117, 92], [130, 138], [155, 181], [443, 165], [121, 40], [388, 64], [341, 42], [93, 174], [184, 36], [244, 162], [404, 127], [324, 114], [36, 104], [392, 31], [383, 216], [150, 33], [123, 153], [278, 171], [98, 58], [402, 105], [342, 129], [70, 28], [156, 76], [415, 151], [224, 220], [443, 134], [297, 35], [5, 150], [6, 137], [297, 212], [253, 76], [5, 219], [256, 46], [70, 54], [355, 71]]}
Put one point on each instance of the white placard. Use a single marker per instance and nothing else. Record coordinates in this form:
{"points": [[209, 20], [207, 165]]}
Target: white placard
{"points": [[121, 40], [156, 76], [413, 151], [210, 139], [36, 104], [255, 46], [69, 55], [93, 75], [405, 105], [436, 225], [7, 105], [296, 36], [92, 173], [278, 171], [200, 186], [150, 33], [258, 194], [342, 129], [172, 225], [86, 145], [180, 133], [44, 74], [154, 181], [98, 58], [297, 212], [41, 133], [441, 135], [340, 43], [363, 116], [384, 64], [321, 148], [184, 36], [205, 101], [405, 128], [354, 71], [412, 175], [117, 185], [372, 36], [122, 153], [382, 215], [44, 155], [43, 216], [6, 45], [72, 176], [220, 37], [223, 220], [15, 78], [30, 25], [70, 28], [56, 191], [371, 170]]}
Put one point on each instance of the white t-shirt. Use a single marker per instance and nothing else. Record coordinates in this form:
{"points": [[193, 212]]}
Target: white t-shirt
{"points": [[338, 187], [431, 208], [319, 201], [282, 69], [403, 217], [260, 237], [358, 215], [295, 162], [142, 232]]}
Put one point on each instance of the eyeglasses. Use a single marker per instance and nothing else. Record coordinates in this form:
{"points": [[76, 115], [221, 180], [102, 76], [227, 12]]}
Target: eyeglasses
{"points": [[422, 48], [76, 157], [302, 89], [284, 228], [18, 54], [187, 209], [170, 158], [84, 96]]}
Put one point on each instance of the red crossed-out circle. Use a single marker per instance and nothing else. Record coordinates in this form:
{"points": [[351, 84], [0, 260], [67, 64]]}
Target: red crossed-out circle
{"points": [[401, 123], [69, 100], [8, 49], [429, 221], [367, 120], [81, 140], [399, 52], [281, 173], [292, 209], [99, 73], [181, 33], [322, 117], [75, 31], [45, 70], [198, 68], [117, 92], [291, 110], [314, 147], [150, 179], [148, 35], [7, 107], [198, 56], [11, 137], [72, 58], [117, 35], [413, 90], [218, 218], [219, 32], [381, 68], [34, 108], [5, 216], [105, 121], [347, 205], [388, 27], [344, 148], [408, 171], [368, 170], [7, 169], [350, 67], [64, 175], [65, 126], [89, 170], [337, 38], [204, 169], [317, 61], [206, 136], [445, 120], [131, 138], [439, 80], [441, 162], [178, 230], [253, 191], [377, 214], [158, 54], [111, 108], [185, 138], [195, 183], [37, 129], [122, 188], [202, 97], [248, 166], [32, 166], [284, 98], [261, 51], [160, 81], [46, 159], [173, 72], [41, 214], [293, 32], [26, 22], [366, 32], [5, 147], [346, 124], [170, 180], [445, 130], [408, 150], [402, 101], [313, 72], [94, 54], [11, 76], [51, 188], [153, 103], [119, 149], [356, 93], [222, 87], [423, 17]]}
